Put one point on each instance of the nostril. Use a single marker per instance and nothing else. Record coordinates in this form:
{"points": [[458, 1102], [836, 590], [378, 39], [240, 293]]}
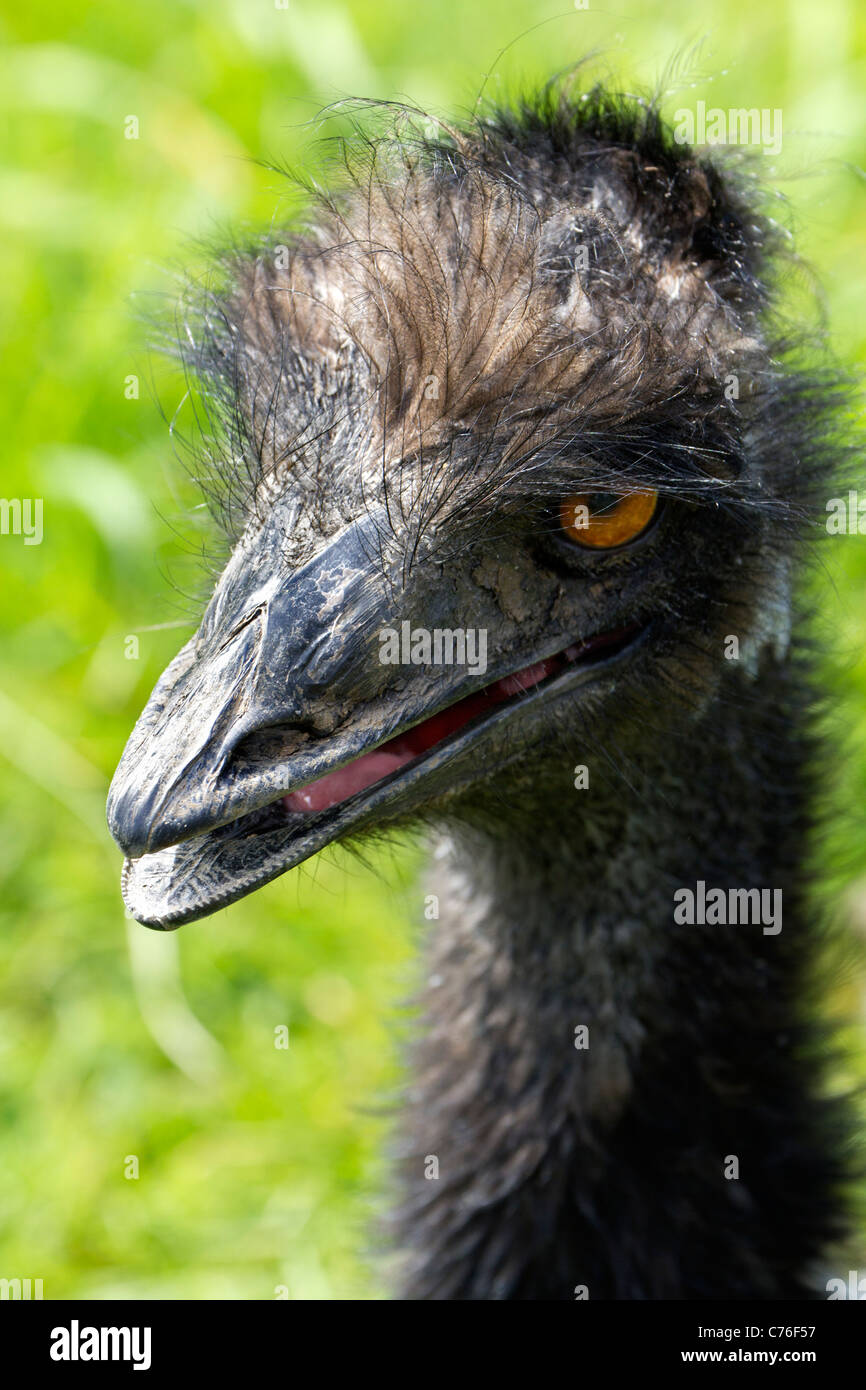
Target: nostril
{"points": [[269, 746]]}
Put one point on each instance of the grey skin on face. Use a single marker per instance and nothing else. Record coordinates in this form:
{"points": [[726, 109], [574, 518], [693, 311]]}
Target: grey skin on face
{"points": [[477, 339]]}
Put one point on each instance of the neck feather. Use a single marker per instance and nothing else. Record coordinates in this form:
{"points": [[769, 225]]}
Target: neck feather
{"points": [[607, 1099]]}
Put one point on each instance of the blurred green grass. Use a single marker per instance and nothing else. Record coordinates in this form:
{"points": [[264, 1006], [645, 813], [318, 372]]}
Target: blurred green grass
{"points": [[257, 1166]]}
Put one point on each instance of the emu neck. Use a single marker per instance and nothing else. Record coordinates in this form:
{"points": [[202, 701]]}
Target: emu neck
{"points": [[607, 1103]]}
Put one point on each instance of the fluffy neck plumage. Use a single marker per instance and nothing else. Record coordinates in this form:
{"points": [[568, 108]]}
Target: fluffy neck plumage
{"points": [[535, 1168]]}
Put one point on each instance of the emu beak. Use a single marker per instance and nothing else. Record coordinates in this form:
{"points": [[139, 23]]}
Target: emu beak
{"points": [[236, 722], [281, 687], [277, 729]]}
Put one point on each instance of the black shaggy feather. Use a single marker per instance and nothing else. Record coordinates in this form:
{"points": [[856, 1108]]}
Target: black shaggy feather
{"points": [[557, 299]]}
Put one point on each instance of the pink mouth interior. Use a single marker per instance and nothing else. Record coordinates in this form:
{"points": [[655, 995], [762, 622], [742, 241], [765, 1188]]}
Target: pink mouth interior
{"points": [[371, 767]]}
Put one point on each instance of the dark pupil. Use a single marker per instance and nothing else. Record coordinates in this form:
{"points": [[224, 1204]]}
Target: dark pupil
{"points": [[602, 502]]}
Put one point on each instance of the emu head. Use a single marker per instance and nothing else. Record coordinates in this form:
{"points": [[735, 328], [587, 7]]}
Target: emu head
{"points": [[511, 388]]}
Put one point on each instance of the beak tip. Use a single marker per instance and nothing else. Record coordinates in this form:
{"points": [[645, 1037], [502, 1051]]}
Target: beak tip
{"points": [[129, 823], [135, 912]]}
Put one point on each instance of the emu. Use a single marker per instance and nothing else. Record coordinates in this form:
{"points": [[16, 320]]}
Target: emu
{"points": [[528, 377]]}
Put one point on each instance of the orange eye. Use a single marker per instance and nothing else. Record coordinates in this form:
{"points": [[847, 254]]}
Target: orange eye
{"points": [[602, 520]]}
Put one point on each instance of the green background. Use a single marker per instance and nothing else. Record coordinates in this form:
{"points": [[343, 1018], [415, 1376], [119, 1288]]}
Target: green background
{"points": [[258, 1166]]}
